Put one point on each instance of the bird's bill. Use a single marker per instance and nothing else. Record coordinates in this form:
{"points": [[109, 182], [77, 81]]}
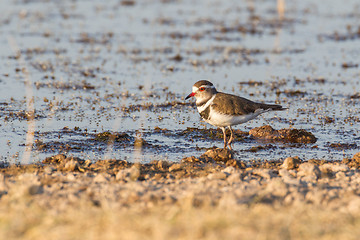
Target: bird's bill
{"points": [[190, 95]]}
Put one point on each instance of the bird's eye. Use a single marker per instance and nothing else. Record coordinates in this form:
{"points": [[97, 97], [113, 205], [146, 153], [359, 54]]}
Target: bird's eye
{"points": [[201, 89]]}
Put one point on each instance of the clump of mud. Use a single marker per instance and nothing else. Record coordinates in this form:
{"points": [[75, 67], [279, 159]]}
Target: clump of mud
{"points": [[285, 135], [221, 156], [108, 136]]}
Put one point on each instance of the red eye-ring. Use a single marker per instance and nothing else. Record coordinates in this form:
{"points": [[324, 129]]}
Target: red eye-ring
{"points": [[201, 89]]}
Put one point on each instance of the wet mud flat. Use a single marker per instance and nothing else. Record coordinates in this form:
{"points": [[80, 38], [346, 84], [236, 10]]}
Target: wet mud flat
{"points": [[116, 67], [210, 196]]}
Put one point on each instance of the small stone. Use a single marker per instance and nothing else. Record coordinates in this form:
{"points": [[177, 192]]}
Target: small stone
{"points": [[35, 189], [131, 174], [191, 159], [175, 167], [291, 163], [219, 154], [236, 164], [59, 158], [56, 159], [71, 165], [162, 164], [309, 170]]}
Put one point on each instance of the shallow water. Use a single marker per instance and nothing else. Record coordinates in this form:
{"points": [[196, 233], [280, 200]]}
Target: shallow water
{"points": [[88, 67]]}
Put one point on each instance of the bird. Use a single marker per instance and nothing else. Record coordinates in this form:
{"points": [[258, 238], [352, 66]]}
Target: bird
{"points": [[224, 110]]}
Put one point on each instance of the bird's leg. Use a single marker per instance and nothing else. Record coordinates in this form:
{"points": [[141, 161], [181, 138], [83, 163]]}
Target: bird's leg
{"points": [[224, 132], [231, 137]]}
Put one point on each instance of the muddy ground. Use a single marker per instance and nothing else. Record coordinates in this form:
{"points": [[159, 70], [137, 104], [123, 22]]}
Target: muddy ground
{"points": [[211, 196]]}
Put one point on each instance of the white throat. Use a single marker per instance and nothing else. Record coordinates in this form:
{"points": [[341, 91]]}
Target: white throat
{"points": [[203, 107]]}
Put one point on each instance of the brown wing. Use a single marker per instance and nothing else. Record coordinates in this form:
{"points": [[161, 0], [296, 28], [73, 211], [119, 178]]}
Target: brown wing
{"points": [[235, 105]]}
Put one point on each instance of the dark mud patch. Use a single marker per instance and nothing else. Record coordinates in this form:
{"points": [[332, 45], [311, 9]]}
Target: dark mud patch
{"points": [[211, 133], [355, 96], [342, 36], [292, 93], [78, 85], [349, 65], [21, 115], [154, 107], [113, 137], [90, 38], [251, 83], [319, 80], [157, 140], [342, 146], [261, 148], [80, 141]]}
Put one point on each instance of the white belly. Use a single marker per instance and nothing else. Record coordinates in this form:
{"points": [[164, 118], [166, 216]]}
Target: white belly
{"points": [[222, 120]]}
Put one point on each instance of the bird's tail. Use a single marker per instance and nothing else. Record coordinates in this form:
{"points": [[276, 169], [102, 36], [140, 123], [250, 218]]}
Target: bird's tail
{"points": [[273, 107]]}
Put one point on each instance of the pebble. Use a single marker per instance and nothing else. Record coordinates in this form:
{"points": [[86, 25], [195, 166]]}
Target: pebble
{"points": [[162, 164], [175, 167], [229, 170], [71, 165], [35, 189], [291, 163], [191, 159], [59, 158], [219, 154], [309, 170], [130, 174]]}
